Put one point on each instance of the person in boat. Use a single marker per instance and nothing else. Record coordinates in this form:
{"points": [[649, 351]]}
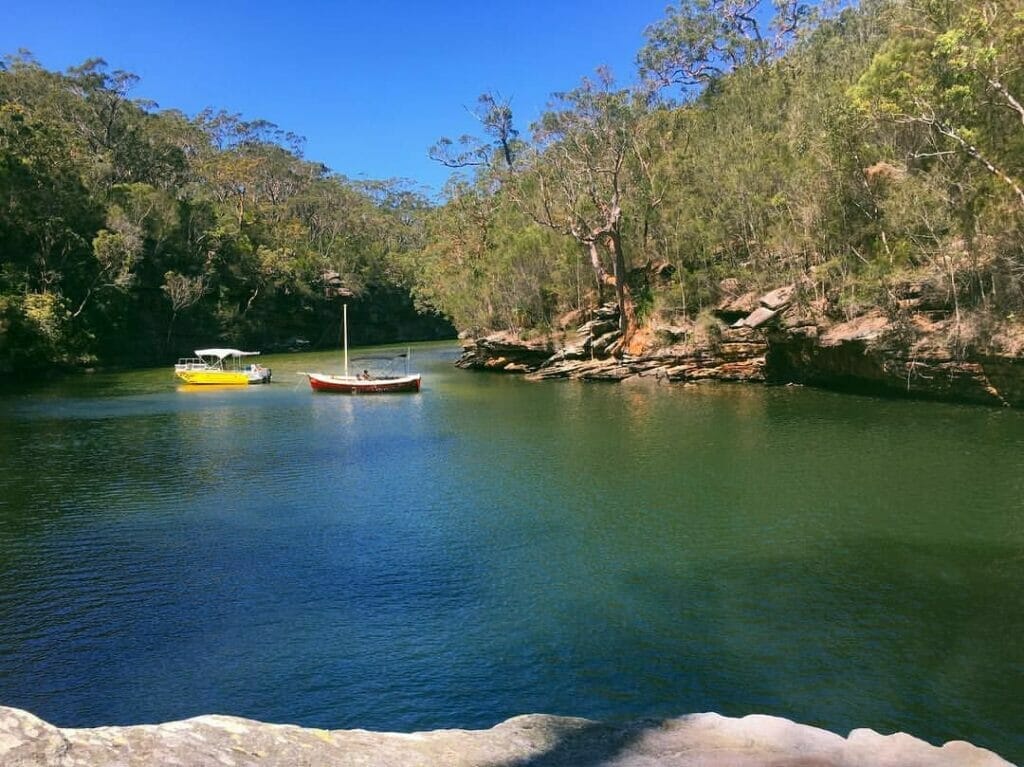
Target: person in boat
{"points": [[364, 376]]}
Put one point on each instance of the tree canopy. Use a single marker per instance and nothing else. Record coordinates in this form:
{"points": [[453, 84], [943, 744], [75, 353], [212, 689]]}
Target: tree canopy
{"points": [[131, 234], [845, 149], [767, 142]]}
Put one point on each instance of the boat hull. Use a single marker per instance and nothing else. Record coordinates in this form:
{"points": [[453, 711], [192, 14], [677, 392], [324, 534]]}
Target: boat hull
{"points": [[321, 382], [220, 377]]}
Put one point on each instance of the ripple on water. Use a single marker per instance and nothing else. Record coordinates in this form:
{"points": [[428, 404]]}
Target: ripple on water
{"points": [[490, 547]]}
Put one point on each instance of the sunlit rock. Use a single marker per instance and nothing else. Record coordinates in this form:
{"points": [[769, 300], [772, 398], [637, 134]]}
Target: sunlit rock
{"points": [[698, 740], [785, 336]]}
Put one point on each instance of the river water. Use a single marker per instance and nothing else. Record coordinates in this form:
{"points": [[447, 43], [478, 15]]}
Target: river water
{"points": [[492, 547]]}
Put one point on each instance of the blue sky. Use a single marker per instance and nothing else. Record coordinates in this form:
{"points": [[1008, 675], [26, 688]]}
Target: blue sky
{"points": [[371, 85]]}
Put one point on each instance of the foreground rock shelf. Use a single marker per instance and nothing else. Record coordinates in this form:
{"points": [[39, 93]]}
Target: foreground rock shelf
{"points": [[698, 740]]}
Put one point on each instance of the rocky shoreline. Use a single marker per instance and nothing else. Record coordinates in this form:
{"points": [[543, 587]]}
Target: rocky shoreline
{"points": [[915, 349], [697, 740]]}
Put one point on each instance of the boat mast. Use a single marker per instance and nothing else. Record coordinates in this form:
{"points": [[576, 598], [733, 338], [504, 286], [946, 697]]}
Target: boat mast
{"points": [[344, 324]]}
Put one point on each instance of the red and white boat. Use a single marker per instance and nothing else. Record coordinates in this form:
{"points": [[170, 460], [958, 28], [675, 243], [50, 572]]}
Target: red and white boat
{"points": [[358, 385], [364, 383]]}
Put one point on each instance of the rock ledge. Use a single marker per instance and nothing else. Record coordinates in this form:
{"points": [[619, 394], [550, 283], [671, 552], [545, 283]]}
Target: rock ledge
{"points": [[916, 350], [697, 740]]}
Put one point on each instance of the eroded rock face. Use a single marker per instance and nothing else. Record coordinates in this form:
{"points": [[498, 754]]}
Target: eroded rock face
{"points": [[770, 338], [698, 740], [869, 353], [500, 350], [734, 354]]}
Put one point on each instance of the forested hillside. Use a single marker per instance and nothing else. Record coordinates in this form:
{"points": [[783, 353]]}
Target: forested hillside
{"points": [[130, 234], [850, 153], [846, 152]]}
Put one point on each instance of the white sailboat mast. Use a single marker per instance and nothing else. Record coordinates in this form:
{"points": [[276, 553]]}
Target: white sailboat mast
{"points": [[344, 322]]}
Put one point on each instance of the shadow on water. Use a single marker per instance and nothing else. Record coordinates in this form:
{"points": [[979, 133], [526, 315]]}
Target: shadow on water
{"points": [[899, 597], [785, 637]]}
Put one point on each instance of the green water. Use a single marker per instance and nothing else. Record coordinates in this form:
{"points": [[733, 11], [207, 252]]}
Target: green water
{"points": [[492, 547]]}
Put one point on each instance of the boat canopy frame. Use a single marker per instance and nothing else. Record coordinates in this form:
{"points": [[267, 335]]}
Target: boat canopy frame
{"points": [[224, 353]]}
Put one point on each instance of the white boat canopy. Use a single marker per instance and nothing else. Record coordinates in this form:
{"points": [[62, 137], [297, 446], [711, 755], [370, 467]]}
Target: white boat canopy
{"points": [[222, 353]]}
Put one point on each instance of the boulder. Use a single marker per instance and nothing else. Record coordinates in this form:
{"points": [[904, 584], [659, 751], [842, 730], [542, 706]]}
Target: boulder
{"points": [[602, 344], [596, 328], [778, 298], [733, 307], [756, 318], [500, 350]]}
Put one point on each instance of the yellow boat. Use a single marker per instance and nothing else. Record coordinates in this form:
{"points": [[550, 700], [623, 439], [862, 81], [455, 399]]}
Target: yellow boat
{"points": [[221, 367]]}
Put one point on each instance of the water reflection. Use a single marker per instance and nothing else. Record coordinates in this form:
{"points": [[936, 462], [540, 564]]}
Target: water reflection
{"points": [[493, 547], [210, 389]]}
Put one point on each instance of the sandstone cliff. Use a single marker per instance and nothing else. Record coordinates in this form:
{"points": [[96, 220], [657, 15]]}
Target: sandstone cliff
{"points": [[918, 347]]}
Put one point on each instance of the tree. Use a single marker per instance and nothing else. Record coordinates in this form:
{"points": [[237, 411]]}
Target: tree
{"points": [[117, 218], [700, 41], [183, 291], [953, 69], [585, 156], [501, 145]]}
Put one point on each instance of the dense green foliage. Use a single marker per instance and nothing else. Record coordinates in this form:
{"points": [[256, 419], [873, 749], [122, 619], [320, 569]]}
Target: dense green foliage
{"points": [[849, 152], [769, 142], [129, 234]]}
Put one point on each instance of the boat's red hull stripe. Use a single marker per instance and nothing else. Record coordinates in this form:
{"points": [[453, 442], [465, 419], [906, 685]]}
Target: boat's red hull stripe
{"points": [[381, 387]]}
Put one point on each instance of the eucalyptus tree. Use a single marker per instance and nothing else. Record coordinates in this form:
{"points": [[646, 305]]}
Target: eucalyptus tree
{"points": [[580, 175], [452, 265], [125, 222], [500, 144], [487, 265], [585, 166], [700, 41], [397, 224], [48, 218], [183, 291], [484, 262]]}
